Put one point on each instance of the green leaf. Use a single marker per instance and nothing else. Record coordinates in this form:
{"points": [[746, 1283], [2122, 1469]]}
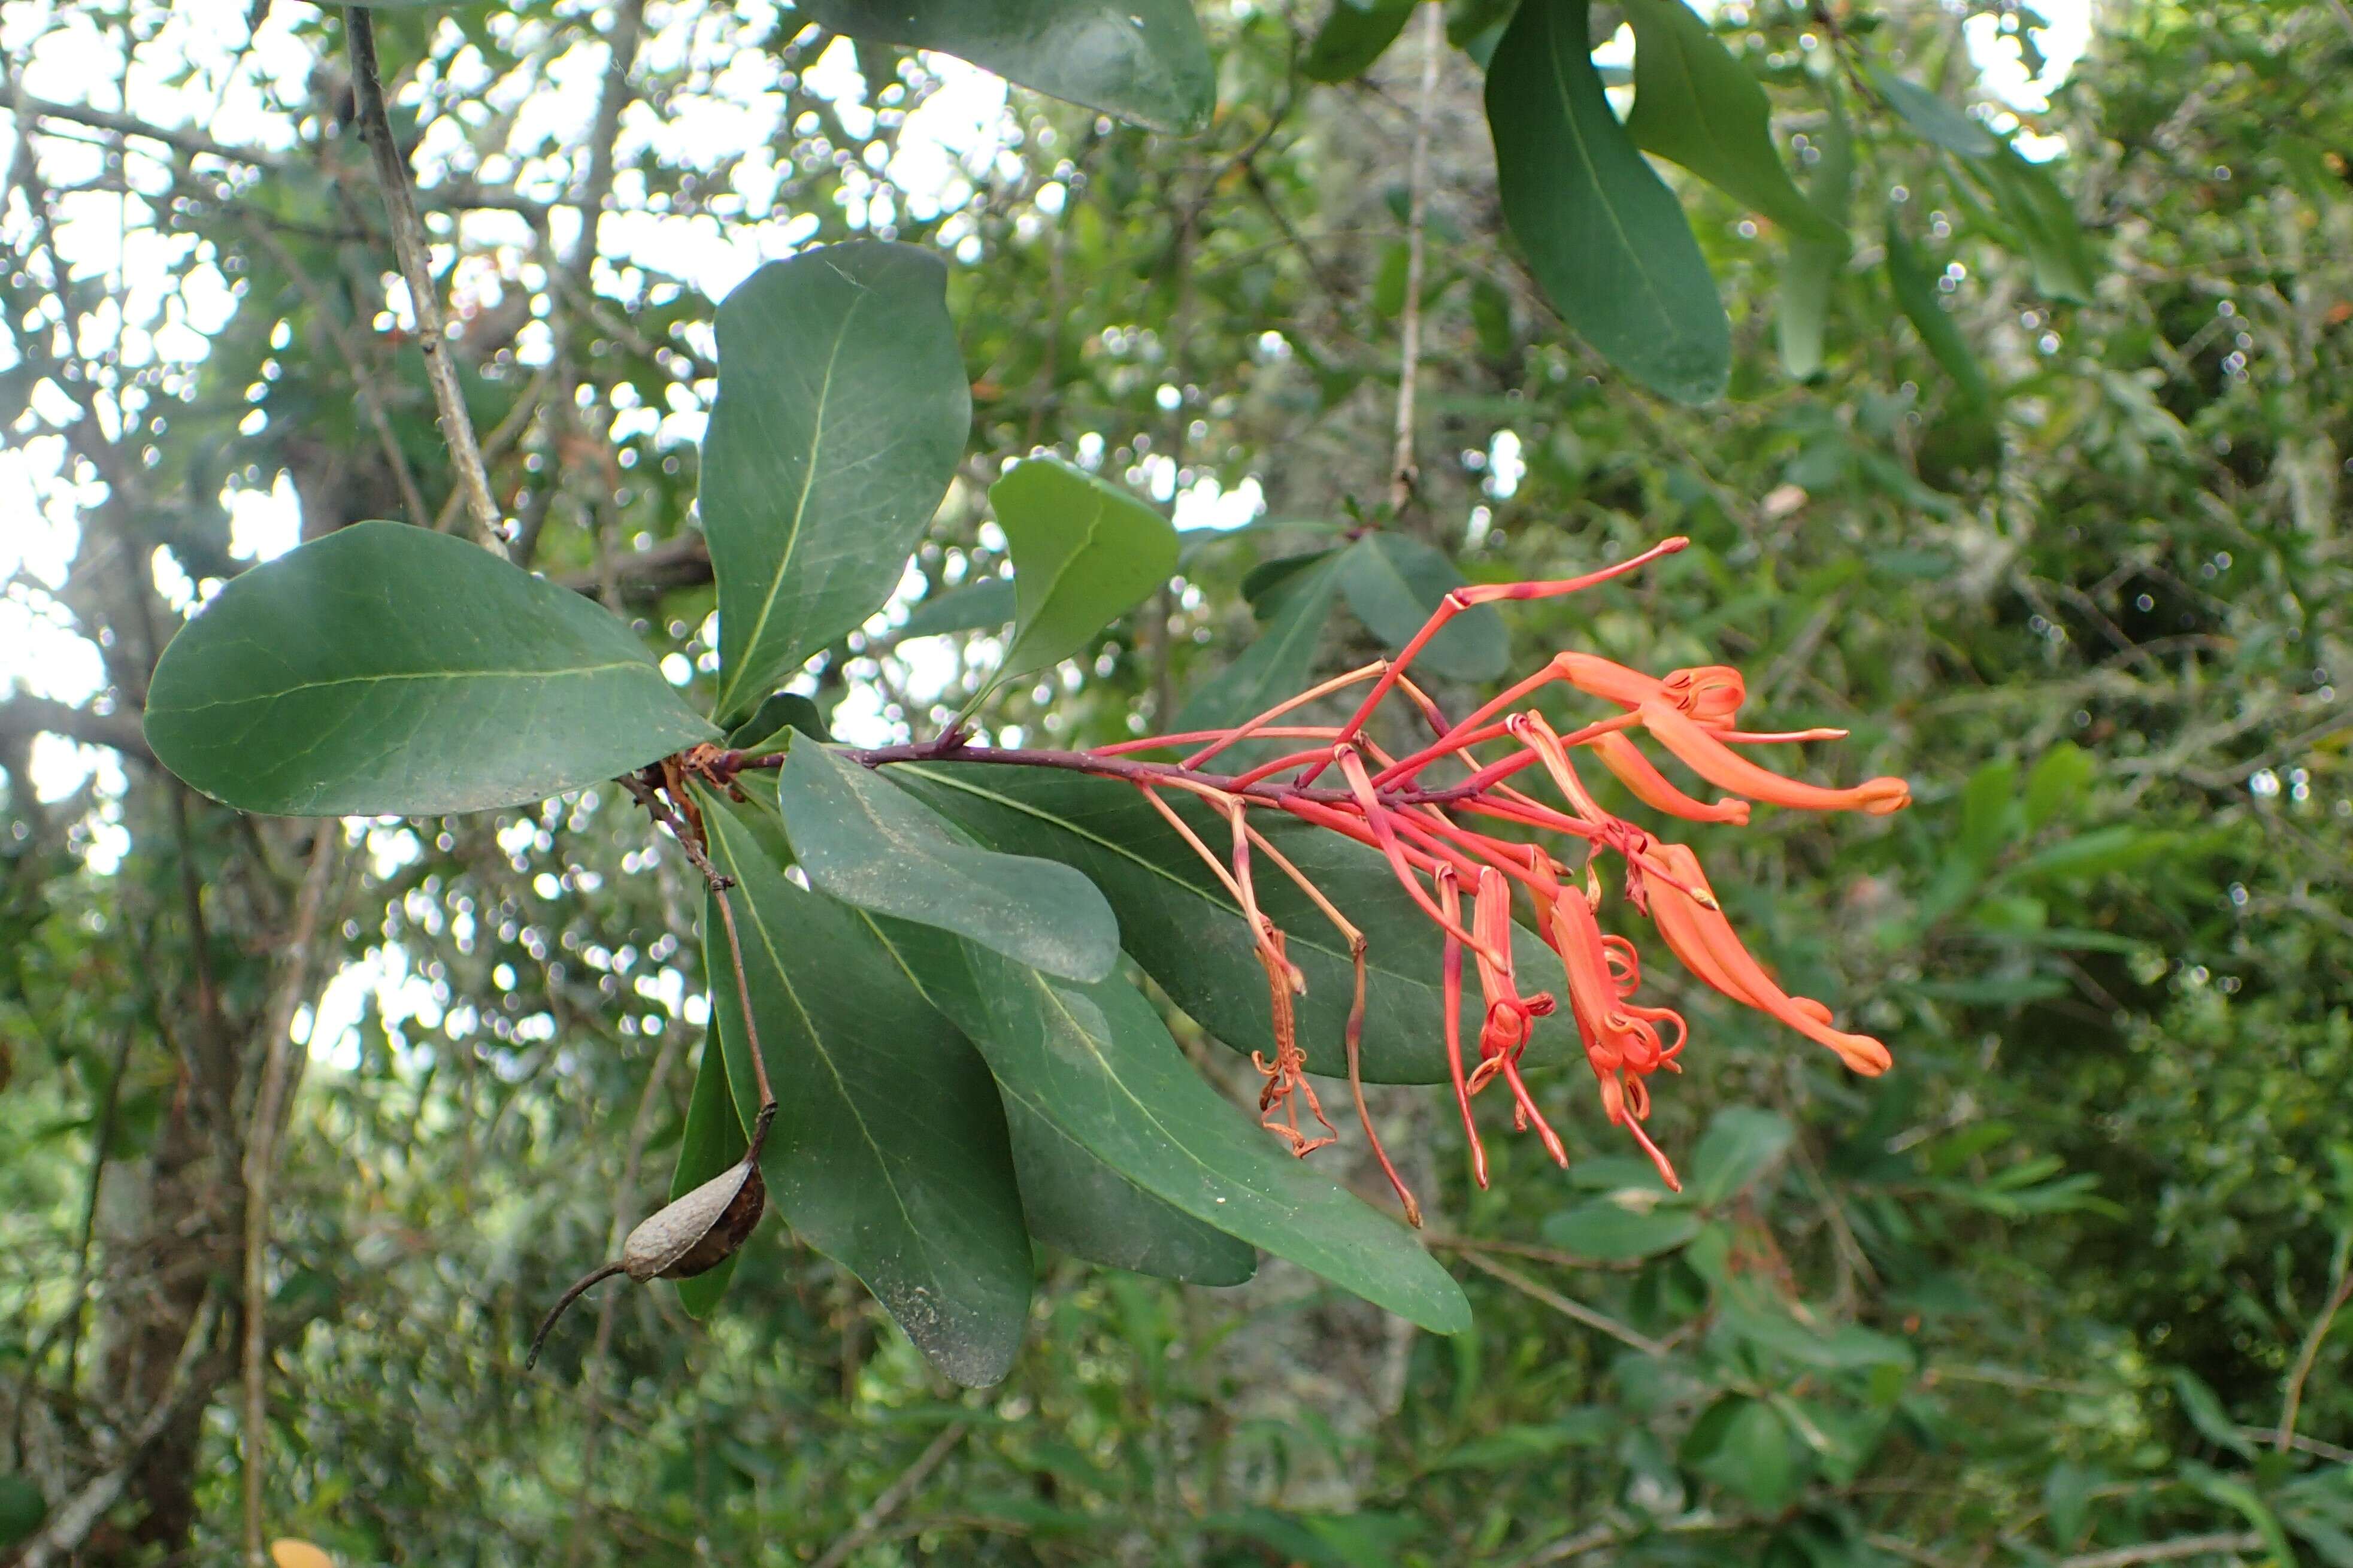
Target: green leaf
{"points": [[2207, 1414], [22, 1509], [1605, 238], [1272, 667], [1179, 922], [1744, 1446], [842, 409], [1083, 551], [386, 670], [976, 607], [777, 719], [1933, 119], [714, 1140], [1811, 274], [1097, 1062], [1082, 1205], [1608, 1231], [2044, 223], [863, 840], [1916, 296], [1737, 1147], [2233, 1493], [1352, 37], [2058, 781], [1394, 582], [1697, 106], [1143, 60], [889, 1153]]}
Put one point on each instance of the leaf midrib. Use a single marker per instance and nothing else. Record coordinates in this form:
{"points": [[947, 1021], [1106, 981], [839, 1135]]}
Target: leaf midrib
{"points": [[1559, 69], [421, 675]]}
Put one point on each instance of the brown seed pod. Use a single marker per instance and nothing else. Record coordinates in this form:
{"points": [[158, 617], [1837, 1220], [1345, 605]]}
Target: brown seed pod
{"points": [[690, 1236]]}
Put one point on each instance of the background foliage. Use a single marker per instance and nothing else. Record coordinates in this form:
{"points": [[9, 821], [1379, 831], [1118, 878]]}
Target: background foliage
{"points": [[2048, 509]]}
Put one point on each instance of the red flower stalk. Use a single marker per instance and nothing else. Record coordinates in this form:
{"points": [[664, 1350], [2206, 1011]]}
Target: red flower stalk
{"points": [[1437, 841]]}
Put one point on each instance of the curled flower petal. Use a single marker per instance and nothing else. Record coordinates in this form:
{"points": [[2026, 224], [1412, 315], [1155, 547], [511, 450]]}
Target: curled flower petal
{"points": [[1650, 786], [1721, 766], [1705, 941]]}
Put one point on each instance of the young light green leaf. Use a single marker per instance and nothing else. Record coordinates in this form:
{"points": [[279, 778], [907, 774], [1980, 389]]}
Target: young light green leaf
{"points": [[712, 1141], [1143, 60], [1352, 36], [1608, 1231], [1179, 923], [1083, 551], [1394, 582], [1734, 1151], [842, 409], [863, 840], [1077, 1203], [1933, 119], [889, 1153], [1811, 273], [1916, 296], [1697, 106], [978, 606], [1605, 238], [1097, 1062], [386, 670]]}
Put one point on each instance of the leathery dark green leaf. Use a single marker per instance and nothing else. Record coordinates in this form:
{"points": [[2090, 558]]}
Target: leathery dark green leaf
{"points": [[1352, 36], [1077, 1203], [1183, 928], [842, 409], [1143, 60], [1695, 104], [1096, 1061], [863, 840], [385, 671], [1394, 582], [713, 1141], [889, 1152], [1605, 238]]}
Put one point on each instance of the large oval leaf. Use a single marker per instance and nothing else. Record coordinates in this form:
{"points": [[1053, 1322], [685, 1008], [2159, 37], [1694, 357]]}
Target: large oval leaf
{"points": [[1695, 104], [889, 1153], [1394, 582], [863, 840], [1097, 1062], [386, 670], [1179, 922], [842, 409], [1143, 60], [1082, 1205], [1603, 235], [1083, 550]]}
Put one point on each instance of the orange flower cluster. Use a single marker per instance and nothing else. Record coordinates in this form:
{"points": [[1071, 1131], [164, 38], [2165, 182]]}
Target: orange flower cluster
{"points": [[1467, 879]]}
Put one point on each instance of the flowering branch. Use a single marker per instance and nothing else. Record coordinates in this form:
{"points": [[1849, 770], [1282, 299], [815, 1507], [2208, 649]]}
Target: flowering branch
{"points": [[1467, 879]]}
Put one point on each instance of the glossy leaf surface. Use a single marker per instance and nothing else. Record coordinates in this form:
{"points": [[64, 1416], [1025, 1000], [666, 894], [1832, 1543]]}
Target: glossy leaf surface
{"points": [[842, 409], [1083, 551], [1181, 925], [1143, 60], [386, 670], [863, 840], [889, 1153], [1097, 1062], [1605, 238], [1394, 582], [1077, 1203], [1698, 105]]}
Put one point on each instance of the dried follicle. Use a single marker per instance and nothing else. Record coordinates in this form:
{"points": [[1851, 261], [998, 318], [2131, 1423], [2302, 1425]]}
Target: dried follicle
{"points": [[690, 1236]]}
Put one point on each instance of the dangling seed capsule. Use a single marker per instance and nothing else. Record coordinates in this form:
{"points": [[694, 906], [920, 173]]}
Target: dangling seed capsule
{"points": [[691, 1235]]}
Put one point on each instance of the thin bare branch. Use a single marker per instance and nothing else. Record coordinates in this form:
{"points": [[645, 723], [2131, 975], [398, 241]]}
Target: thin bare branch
{"points": [[408, 244], [894, 1496], [1405, 472], [2167, 1550]]}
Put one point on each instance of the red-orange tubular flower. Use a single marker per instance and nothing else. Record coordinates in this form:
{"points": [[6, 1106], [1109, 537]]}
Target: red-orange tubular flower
{"points": [[1442, 841]]}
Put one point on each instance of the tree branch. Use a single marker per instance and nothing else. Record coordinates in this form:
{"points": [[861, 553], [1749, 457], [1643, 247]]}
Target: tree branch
{"points": [[24, 716], [1405, 472], [894, 1496], [2167, 1550], [408, 243]]}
